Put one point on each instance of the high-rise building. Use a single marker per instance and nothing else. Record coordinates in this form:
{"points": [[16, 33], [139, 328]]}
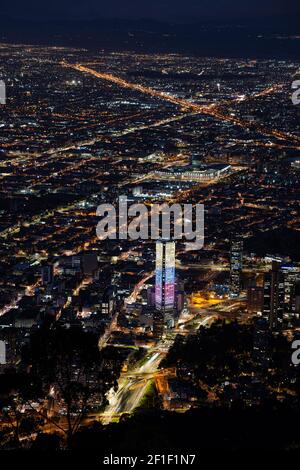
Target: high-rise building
{"points": [[158, 324], [236, 266], [297, 300], [255, 299], [162, 317], [291, 278], [47, 274], [165, 277], [90, 263], [151, 296], [261, 342], [179, 297], [108, 303], [274, 295]]}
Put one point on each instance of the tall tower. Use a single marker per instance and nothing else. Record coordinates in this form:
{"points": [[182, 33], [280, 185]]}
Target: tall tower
{"points": [[291, 278], [236, 265], [47, 274], [274, 295], [165, 276]]}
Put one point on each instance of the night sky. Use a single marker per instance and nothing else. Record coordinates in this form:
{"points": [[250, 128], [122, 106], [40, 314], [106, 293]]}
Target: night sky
{"points": [[172, 10]]}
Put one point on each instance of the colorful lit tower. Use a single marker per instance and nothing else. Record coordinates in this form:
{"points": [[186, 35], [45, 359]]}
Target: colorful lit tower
{"points": [[165, 276]]}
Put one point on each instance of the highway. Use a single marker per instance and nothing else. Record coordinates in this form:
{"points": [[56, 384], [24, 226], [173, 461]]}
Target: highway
{"points": [[213, 109], [132, 389], [134, 383]]}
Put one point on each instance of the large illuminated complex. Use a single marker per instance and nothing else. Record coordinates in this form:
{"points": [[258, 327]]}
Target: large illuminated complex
{"points": [[202, 173]]}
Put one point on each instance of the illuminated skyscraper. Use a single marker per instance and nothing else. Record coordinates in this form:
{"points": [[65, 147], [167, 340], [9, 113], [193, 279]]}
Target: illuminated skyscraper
{"points": [[165, 276], [274, 296], [255, 299], [261, 342], [236, 265], [291, 278]]}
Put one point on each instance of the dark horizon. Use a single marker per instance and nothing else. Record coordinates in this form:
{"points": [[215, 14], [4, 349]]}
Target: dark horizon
{"points": [[166, 11], [273, 37]]}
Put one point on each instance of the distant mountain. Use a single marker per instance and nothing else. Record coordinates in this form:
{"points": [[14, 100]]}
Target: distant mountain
{"points": [[270, 37]]}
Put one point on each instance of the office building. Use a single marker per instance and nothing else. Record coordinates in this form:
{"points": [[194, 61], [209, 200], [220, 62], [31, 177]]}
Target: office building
{"points": [[47, 274], [165, 276], [236, 266], [274, 295], [291, 278], [255, 299]]}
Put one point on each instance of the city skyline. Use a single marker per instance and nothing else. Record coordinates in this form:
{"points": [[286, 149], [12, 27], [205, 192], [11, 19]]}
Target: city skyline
{"points": [[120, 141]]}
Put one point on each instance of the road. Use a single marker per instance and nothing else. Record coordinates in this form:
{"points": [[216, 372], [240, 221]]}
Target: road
{"points": [[133, 384], [132, 389], [213, 109], [12, 305]]}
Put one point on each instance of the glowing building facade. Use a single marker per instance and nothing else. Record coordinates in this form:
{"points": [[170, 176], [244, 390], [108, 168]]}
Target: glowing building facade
{"points": [[291, 279], [236, 266], [274, 295], [165, 276]]}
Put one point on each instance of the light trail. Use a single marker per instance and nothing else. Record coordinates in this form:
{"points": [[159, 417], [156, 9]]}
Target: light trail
{"points": [[12, 305], [132, 86], [186, 105], [134, 383], [133, 296], [211, 109], [56, 151], [131, 389]]}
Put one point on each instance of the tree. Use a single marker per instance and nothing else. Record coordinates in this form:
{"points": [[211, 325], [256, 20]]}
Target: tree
{"points": [[73, 373], [14, 388]]}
